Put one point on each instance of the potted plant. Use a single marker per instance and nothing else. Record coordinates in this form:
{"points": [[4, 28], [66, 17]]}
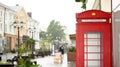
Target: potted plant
{"points": [[24, 61], [71, 54]]}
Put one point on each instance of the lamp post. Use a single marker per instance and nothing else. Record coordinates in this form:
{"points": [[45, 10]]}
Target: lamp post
{"points": [[49, 38], [18, 25], [32, 30]]}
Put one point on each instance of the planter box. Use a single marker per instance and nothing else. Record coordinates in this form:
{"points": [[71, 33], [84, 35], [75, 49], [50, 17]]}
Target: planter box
{"points": [[71, 56]]}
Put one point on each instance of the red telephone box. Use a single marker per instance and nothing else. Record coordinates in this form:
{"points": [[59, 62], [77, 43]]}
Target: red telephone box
{"points": [[93, 39]]}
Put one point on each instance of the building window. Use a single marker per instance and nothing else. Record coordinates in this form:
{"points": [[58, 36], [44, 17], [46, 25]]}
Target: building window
{"points": [[5, 27], [7, 16], [10, 28], [1, 27], [0, 16], [93, 50]]}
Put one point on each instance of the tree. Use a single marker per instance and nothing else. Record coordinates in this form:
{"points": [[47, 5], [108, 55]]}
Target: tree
{"points": [[55, 31], [42, 35], [29, 42], [83, 3]]}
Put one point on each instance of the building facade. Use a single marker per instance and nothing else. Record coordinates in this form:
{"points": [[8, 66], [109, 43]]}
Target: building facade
{"points": [[8, 30], [116, 38], [33, 31], [104, 5]]}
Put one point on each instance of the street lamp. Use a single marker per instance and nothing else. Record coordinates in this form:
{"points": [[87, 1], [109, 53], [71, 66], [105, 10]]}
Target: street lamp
{"points": [[18, 25], [32, 30], [49, 38]]}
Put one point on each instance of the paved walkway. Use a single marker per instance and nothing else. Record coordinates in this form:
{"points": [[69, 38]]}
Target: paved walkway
{"points": [[48, 61], [7, 56]]}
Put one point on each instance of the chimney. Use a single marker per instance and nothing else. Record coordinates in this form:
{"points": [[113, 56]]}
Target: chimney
{"points": [[17, 4], [29, 14]]}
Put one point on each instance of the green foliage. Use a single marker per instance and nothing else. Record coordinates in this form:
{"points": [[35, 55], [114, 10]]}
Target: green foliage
{"points": [[35, 66], [83, 3], [29, 42], [84, 6], [4, 63], [21, 62], [26, 63], [43, 45], [42, 35], [56, 30], [71, 49], [80, 1], [20, 50]]}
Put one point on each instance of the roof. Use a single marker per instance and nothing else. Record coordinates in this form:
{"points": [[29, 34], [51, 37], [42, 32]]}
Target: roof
{"points": [[72, 36], [16, 8], [92, 14], [5, 6]]}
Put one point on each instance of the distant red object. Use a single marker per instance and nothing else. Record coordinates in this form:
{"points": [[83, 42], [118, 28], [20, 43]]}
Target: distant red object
{"points": [[93, 39]]}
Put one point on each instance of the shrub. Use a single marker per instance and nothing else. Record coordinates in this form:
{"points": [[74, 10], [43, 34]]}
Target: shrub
{"points": [[71, 49]]}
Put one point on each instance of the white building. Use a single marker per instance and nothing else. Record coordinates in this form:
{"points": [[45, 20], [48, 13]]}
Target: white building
{"points": [[8, 15], [33, 31], [104, 5], [6, 19], [6, 29]]}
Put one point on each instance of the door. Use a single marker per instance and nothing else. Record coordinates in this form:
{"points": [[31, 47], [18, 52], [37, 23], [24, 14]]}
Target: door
{"points": [[93, 49]]}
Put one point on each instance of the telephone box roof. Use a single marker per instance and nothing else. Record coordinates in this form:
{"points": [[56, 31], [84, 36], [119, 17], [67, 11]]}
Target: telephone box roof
{"points": [[92, 14]]}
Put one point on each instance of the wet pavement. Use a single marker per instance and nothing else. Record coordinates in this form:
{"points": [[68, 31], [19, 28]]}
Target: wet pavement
{"points": [[7, 56], [48, 61]]}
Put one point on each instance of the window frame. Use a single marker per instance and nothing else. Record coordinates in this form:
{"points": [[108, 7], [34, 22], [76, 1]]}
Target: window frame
{"points": [[87, 58]]}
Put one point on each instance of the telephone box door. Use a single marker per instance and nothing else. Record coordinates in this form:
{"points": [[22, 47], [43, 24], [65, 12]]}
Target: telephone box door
{"points": [[93, 49]]}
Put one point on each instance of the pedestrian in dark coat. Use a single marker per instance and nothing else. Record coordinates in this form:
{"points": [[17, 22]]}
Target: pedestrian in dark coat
{"points": [[61, 49]]}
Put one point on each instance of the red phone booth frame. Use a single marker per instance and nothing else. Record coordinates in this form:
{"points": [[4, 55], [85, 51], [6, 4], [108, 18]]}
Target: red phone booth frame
{"points": [[93, 21]]}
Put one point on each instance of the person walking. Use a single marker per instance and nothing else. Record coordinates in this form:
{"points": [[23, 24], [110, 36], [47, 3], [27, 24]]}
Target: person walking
{"points": [[61, 49]]}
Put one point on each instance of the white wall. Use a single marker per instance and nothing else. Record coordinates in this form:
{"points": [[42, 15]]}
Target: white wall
{"points": [[9, 20], [106, 5], [31, 24], [2, 9], [95, 4]]}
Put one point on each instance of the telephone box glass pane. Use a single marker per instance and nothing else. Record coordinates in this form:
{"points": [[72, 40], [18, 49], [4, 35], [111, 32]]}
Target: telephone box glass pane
{"points": [[93, 41], [93, 48], [93, 63], [93, 35], [93, 56]]}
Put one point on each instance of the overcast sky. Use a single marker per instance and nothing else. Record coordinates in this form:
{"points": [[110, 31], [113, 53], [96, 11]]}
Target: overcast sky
{"points": [[46, 10]]}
